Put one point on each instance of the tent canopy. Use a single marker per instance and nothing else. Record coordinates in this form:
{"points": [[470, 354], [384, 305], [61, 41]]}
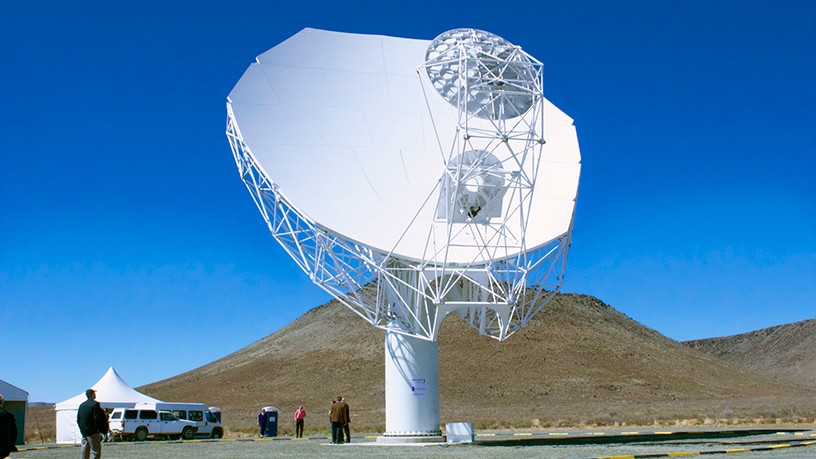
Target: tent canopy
{"points": [[111, 392]]}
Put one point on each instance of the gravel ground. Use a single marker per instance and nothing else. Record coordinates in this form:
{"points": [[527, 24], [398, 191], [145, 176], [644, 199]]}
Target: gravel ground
{"points": [[366, 447]]}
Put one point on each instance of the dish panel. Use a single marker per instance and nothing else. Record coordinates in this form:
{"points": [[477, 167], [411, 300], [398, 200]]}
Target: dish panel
{"points": [[341, 124]]}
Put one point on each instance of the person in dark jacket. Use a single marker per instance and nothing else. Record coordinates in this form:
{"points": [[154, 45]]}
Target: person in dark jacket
{"points": [[8, 431], [262, 421], [346, 420], [336, 418], [93, 424]]}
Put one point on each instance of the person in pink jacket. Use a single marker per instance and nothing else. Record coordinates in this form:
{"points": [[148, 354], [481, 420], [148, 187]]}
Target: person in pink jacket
{"points": [[300, 415]]}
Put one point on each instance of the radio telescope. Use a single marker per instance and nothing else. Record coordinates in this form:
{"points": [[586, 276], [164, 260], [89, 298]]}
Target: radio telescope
{"points": [[411, 179]]}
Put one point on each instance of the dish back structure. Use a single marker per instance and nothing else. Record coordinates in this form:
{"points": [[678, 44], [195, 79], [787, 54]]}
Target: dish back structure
{"points": [[411, 178], [382, 150]]}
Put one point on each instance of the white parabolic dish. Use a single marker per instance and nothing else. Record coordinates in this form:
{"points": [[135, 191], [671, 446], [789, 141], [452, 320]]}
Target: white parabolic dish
{"points": [[342, 125]]}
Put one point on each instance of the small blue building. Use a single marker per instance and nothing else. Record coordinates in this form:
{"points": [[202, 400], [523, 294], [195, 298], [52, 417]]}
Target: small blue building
{"points": [[16, 402]]}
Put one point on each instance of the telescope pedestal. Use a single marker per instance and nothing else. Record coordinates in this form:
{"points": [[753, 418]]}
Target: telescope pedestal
{"points": [[411, 390]]}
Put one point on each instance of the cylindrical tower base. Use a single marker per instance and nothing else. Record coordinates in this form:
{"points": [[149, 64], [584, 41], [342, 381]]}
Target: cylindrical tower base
{"points": [[411, 389]]}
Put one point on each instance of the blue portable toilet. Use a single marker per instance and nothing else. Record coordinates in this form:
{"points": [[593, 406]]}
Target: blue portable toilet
{"points": [[271, 429]]}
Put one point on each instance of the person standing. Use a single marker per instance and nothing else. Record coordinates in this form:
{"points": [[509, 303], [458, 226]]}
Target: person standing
{"points": [[336, 418], [346, 419], [93, 424], [331, 408], [262, 421], [8, 431], [300, 415]]}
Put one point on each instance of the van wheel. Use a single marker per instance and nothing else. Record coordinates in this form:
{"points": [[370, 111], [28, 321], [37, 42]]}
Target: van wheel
{"points": [[140, 434], [187, 433], [217, 433]]}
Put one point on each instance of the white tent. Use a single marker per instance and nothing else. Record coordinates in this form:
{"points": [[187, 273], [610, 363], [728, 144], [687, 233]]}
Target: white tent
{"points": [[111, 392], [15, 403]]}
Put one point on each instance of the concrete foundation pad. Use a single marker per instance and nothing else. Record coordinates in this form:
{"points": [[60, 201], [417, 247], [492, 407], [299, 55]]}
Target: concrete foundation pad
{"points": [[397, 440]]}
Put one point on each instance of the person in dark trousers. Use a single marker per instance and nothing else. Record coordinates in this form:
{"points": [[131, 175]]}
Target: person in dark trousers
{"points": [[336, 418], [8, 431], [300, 415], [93, 424], [262, 421], [346, 419]]}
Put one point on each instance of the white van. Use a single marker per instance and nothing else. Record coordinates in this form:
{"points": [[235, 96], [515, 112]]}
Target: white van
{"points": [[140, 423], [208, 424]]}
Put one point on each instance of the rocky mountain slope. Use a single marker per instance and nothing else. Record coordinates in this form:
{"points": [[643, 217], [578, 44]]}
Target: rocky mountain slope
{"points": [[785, 350], [578, 361]]}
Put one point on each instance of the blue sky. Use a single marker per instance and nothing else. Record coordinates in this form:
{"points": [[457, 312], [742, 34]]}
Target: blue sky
{"points": [[128, 240]]}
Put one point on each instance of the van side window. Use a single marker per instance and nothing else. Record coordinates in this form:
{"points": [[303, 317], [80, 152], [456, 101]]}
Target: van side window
{"points": [[148, 414], [116, 415], [131, 414], [211, 417], [167, 417], [196, 415], [181, 414]]}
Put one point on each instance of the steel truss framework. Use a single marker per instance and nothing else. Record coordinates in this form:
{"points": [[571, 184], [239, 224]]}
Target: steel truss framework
{"points": [[493, 163]]}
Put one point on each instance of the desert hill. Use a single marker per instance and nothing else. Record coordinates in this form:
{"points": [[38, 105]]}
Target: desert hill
{"points": [[578, 361], [786, 350]]}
